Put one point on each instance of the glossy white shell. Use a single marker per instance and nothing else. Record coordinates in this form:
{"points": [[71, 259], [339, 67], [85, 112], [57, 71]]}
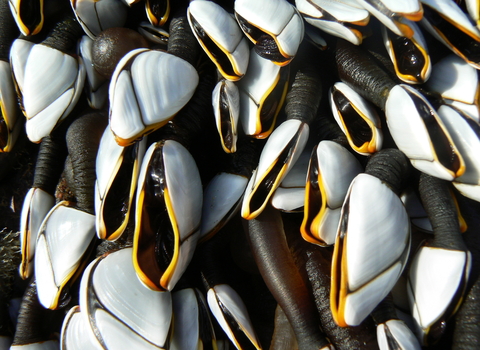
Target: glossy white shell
{"points": [[234, 303], [46, 104], [222, 195], [261, 78], [126, 318], [434, 278], [410, 133], [276, 17], [224, 31], [400, 333], [95, 16], [76, 332], [63, 239], [376, 241], [233, 101], [275, 145], [155, 88], [36, 205]]}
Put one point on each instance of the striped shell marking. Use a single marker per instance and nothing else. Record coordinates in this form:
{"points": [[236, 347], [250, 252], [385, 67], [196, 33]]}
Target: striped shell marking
{"points": [[226, 107]]}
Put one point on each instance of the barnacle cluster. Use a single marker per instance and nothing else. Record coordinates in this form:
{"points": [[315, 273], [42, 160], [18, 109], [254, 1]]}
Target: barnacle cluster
{"points": [[244, 174]]}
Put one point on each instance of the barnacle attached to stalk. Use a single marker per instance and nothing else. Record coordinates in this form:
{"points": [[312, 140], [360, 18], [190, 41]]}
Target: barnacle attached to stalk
{"points": [[10, 121], [453, 28], [226, 305], [331, 170], [441, 265], [40, 198], [274, 26], [155, 35], [149, 87], [357, 119], [117, 171], [466, 135], [392, 333], [66, 236], [409, 56], [338, 18], [420, 133], [54, 61], [373, 239], [168, 212], [28, 14], [277, 267], [97, 15], [287, 142], [262, 93], [135, 318], [391, 13], [220, 37], [226, 107]]}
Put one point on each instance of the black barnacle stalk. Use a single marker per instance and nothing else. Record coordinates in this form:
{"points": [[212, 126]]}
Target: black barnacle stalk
{"points": [[10, 258], [111, 45], [35, 323], [358, 69], [182, 42], [277, 267], [70, 227]]}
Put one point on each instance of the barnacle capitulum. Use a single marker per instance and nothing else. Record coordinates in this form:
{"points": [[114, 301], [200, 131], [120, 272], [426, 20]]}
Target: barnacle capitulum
{"points": [[262, 93], [453, 28], [419, 132], [331, 170], [232, 315], [373, 240], [46, 105], [220, 37], [168, 212], [147, 89], [97, 15], [281, 151], [117, 171], [226, 107], [409, 56], [465, 134], [55, 266], [274, 26], [121, 319], [357, 119], [391, 13], [457, 82], [29, 16], [338, 18]]}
